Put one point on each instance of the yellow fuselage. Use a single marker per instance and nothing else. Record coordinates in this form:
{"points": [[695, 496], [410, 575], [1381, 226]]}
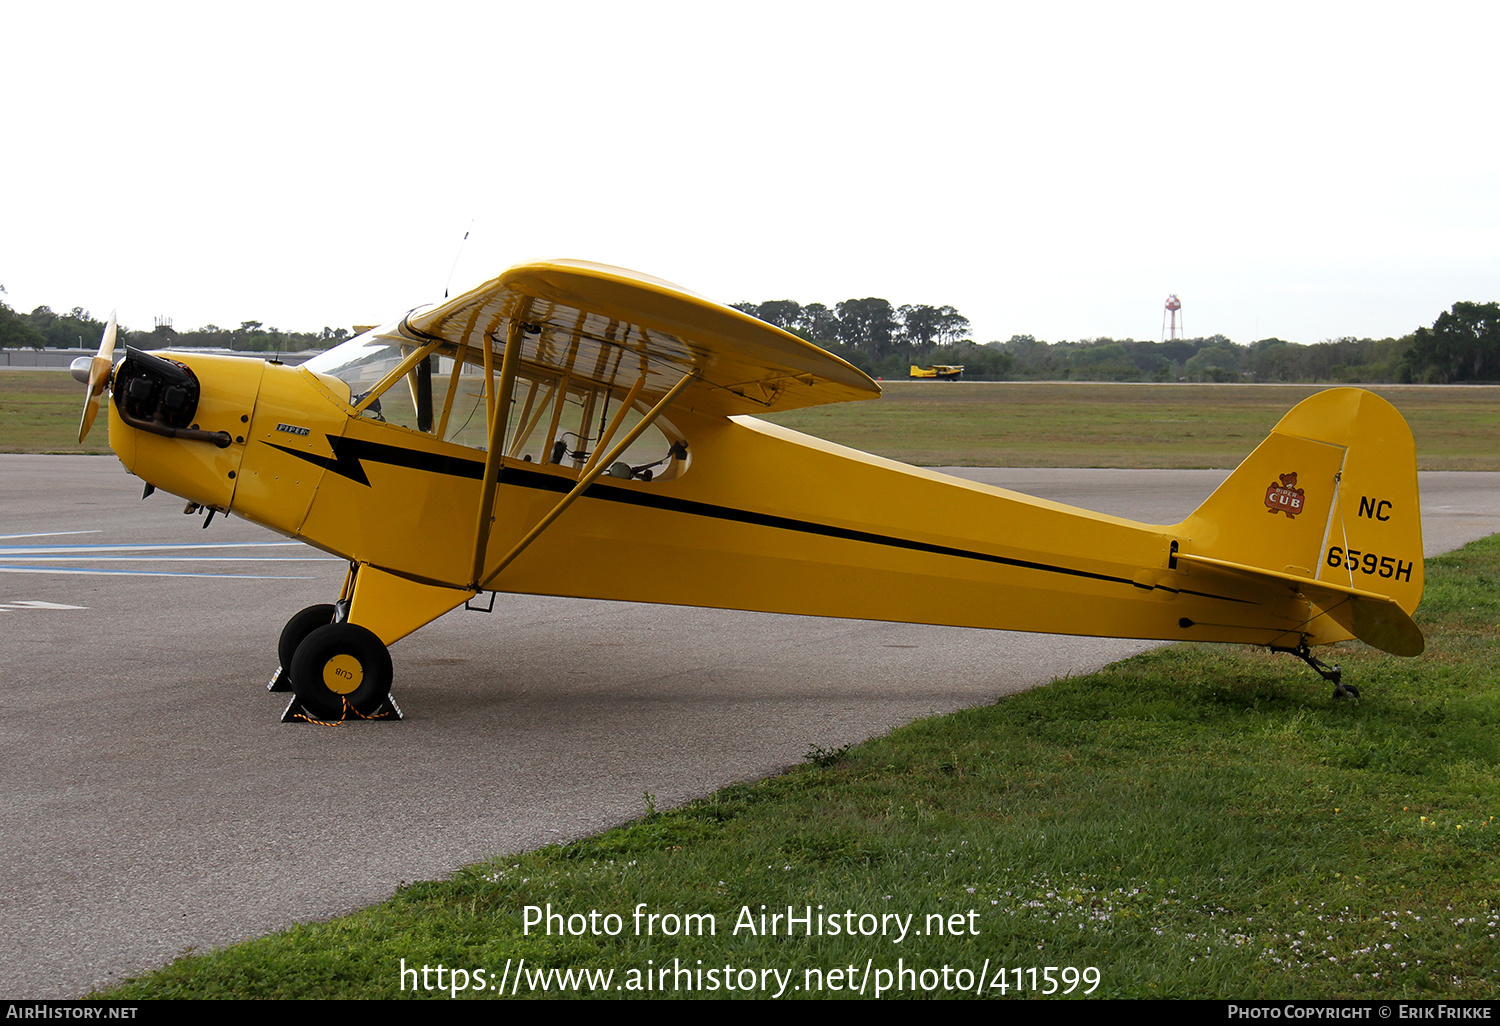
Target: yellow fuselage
{"points": [[761, 518]]}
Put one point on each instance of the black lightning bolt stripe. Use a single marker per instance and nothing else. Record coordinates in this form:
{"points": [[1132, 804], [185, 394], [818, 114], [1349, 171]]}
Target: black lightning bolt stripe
{"points": [[349, 454]]}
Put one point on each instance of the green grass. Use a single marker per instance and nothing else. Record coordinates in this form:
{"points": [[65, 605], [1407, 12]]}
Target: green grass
{"points": [[982, 424], [1192, 822], [39, 412], [1095, 424]]}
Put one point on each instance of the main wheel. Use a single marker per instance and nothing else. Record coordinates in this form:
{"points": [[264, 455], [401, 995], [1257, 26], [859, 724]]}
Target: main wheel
{"points": [[297, 629], [338, 663]]}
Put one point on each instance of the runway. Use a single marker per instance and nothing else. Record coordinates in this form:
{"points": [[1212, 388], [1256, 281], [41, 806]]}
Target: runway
{"points": [[155, 803]]}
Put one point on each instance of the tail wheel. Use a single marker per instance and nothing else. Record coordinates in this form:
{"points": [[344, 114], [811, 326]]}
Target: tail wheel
{"points": [[298, 628], [341, 667]]}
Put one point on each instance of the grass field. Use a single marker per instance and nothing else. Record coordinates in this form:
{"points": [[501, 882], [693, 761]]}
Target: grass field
{"points": [[981, 424], [39, 412], [1190, 823], [1095, 424]]}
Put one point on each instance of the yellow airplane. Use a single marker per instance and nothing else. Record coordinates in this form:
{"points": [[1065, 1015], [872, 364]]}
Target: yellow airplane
{"points": [[938, 372], [575, 429]]}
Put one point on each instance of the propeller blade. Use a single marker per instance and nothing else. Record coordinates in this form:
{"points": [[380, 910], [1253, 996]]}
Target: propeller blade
{"points": [[99, 370]]}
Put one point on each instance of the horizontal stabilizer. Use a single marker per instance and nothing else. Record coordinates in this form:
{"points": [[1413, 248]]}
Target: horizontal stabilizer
{"points": [[1374, 619]]}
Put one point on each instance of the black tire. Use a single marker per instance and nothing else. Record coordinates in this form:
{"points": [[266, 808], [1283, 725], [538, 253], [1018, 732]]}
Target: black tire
{"points": [[341, 662], [296, 631]]}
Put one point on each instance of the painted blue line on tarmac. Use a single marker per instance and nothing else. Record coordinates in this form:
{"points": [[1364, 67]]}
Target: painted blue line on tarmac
{"points": [[142, 573], [182, 559], [31, 550]]}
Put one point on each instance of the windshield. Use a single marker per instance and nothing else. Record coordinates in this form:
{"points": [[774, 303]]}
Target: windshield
{"points": [[360, 363]]}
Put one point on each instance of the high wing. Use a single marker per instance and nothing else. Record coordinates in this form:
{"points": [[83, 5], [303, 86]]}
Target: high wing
{"points": [[616, 327]]}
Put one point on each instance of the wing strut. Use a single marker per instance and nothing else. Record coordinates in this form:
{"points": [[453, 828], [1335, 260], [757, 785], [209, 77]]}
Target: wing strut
{"points": [[499, 420], [578, 489]]}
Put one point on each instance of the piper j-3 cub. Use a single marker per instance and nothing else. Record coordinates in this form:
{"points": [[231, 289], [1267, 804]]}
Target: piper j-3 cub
{"points": [[581, 430]]}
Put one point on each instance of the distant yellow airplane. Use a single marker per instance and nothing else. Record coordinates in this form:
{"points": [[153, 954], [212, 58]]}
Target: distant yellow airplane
{"points": [[575, 429], [938, 371]]}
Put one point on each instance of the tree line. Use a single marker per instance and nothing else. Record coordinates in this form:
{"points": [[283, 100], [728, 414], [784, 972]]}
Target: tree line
{"points": [[45, 328], [882, 339], [1462, 345]]}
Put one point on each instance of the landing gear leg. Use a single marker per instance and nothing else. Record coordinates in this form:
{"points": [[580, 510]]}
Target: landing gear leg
{"points": [[1329, 673]]}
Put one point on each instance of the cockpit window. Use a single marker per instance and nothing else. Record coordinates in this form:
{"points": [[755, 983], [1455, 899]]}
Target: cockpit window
{"points": [[554, 419], [362, 364], [573, 424]]}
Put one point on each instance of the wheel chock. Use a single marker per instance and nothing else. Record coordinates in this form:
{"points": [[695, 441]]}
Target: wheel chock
{"points": [[296, 712]]}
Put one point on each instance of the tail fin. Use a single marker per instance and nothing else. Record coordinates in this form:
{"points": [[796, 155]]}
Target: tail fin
{"points": [[1327, 506]]}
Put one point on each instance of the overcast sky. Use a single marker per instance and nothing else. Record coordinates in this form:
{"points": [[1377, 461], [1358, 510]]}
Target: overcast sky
{"points": [[1298, 170]]}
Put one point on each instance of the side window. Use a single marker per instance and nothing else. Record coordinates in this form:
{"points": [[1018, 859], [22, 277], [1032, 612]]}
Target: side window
{"points": [[464, 417], [593, 422], [407, 402], [554, 419]]}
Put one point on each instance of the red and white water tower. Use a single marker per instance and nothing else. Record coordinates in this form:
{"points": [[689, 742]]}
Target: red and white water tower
{"points": [[1174, 330]]}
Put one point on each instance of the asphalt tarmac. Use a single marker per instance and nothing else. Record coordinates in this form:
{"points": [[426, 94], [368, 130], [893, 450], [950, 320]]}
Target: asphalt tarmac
{"points": [[154, 803]]}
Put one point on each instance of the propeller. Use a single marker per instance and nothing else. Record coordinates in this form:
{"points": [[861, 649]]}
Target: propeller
{"points": [[99, 367]]}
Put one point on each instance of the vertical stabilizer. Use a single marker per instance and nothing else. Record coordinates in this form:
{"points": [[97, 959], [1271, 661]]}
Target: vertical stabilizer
{"points": [[1330, 499]]}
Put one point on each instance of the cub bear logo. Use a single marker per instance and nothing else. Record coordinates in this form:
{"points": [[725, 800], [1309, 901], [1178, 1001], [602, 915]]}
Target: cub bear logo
{"points": [[1285, 497]]}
